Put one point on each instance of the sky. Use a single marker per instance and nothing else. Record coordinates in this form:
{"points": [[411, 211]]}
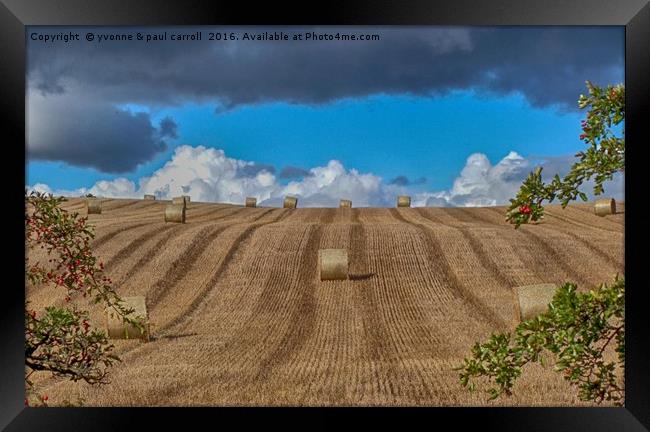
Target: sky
{"points": [[453, 116]]}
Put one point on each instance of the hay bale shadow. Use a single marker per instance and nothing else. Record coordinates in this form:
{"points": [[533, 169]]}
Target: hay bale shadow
{"points": [[361, 276]]}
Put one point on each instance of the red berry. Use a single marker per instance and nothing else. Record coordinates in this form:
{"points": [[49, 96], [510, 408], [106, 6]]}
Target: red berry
{"points": [[26, 402], [45, 398]]}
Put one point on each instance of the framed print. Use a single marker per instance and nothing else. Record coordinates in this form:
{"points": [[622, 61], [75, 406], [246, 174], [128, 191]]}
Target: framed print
{"points": [[422, 206]]}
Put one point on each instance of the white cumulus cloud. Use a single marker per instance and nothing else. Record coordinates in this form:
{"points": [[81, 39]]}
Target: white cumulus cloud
{"points": [[325, 186], [208, 175], [482, 184]]}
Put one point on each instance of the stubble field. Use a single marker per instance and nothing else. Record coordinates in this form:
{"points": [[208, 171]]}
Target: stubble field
{"points": [[240, 317]]}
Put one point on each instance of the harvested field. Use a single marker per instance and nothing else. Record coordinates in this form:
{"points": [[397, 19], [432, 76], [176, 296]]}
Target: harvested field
{"points": [[240, 317]]}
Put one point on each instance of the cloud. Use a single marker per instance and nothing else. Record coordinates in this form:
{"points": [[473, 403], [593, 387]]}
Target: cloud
{"points": [[168, 128], [482, 184], [73, 88], [89, 133], [404, 181], [119, 187], [208, 175], [254, 169], [291, 172], [325, 186], [547, 65], [44, 188]]}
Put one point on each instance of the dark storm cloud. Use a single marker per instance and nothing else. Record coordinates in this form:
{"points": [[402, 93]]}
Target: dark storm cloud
{"points": [[292, 172], [168, 128], [547, 65], [93, 134], [405, 181]]}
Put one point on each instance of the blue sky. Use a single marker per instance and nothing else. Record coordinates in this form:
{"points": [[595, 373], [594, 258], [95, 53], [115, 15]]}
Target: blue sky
{"points": [[375, 112], [387, 135]]}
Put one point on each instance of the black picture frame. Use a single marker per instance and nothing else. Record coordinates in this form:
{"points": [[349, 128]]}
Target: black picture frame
{"points": [[633, 14]]}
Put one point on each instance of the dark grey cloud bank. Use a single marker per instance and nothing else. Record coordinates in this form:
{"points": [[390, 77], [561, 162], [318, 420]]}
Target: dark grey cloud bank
{"points": [[86, 132], [547, 65]]}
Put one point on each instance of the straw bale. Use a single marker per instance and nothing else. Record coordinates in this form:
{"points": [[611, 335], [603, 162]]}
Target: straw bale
{"points": [[333, 264], [290, 202], [604, 207], [117, 329], [534, 299], [94, 205], [175, 213], [403, 201]]}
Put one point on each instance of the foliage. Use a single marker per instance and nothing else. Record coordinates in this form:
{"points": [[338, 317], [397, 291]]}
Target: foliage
{"points": [[62, 342], [603, 158], [577, 329], [60, 339]]}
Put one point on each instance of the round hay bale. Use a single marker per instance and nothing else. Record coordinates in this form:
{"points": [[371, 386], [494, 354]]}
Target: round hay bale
{"points": [[94, 205], [251, 202], [179, 200], [150, 197], [290, 202], [604, 207], [117, 329], [533, 300], [333, 264], [403, 201], [345, 203], [175, 213]]}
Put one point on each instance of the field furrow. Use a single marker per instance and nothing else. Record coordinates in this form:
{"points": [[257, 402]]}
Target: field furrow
{"points": [[240, 316]]}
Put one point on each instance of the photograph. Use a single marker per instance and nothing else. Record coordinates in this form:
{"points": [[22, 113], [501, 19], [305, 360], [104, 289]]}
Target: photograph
{"points": [[317, 216]]}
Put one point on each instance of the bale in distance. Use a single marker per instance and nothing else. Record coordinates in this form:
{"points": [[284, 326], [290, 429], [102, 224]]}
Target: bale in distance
{"points": [[94, 205], [179, 200], [333, 264], [604, 207], [175, 213], [150, 197], [345, 203], [251, 202], [533, 300], [403, 201], [117, 329], [290, 202]]}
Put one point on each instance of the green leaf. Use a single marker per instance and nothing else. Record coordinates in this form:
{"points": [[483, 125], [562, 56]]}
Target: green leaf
{"points": [[576, 329]]}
